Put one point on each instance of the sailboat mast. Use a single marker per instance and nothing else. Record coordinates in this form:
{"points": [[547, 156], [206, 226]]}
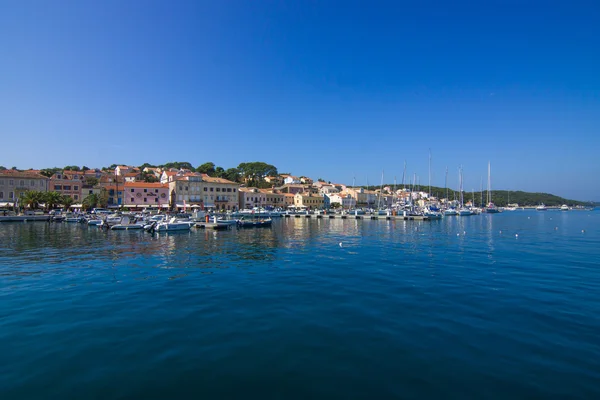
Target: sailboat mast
{"points": [[380, 191], [489, 198], [403, 176], [481, 193], [446, 183], [429, 197]]}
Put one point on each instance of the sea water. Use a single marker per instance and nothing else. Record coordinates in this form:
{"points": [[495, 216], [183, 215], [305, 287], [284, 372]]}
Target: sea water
{"points": [[489, 306]]}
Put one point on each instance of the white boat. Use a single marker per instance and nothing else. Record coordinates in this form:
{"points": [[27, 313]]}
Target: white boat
{"points": [[564, 207], [464, 212], [173, 225], [95, 221], [541, 207], [126, 224], [70, 217], [432, 214], [450, 212]]}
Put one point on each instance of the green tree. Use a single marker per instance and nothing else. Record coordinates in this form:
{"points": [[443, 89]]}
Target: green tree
{"points": [[255, 172], [90, 201], [2, 168], [71, 168], [219, 172], [232, 174], [52, 199], [177, 165], [149, 177], [48, 172], [102, 198], [207, 168], [84, 168], [67, 201], [32, 199], [91, 181]]}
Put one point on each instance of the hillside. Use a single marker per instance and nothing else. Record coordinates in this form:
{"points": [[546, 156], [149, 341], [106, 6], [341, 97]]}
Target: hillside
{"points": [[501, 197]]}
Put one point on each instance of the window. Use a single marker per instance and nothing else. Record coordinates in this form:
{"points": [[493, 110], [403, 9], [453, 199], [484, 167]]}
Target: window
{"points": [[132, 199], [156, 199], [57, 187], [131, 190], [67, 187], [21, 183], [229, 189], [76, 197], [218, 189], [234, 190], [1, 195], [11, 195], [180, 188], [205, 189], [75, 187], [155, 190], [145, 190], [186, 188], [211, 189], [2, 182], [11, 182], [32, 183], [145, 200]]}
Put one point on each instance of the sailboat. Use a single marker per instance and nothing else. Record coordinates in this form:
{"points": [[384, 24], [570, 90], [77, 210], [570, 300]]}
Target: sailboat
{"points": [[491, 208], [508, 205], [463, 211]]}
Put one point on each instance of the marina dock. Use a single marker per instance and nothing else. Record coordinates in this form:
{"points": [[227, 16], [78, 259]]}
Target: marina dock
{"points": [[359, 216]]}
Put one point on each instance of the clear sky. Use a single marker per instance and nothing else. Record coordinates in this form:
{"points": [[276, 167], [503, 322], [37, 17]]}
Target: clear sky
{"points": [[326, 89]]}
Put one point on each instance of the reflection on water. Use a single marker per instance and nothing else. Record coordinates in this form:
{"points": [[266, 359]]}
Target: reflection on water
{"points": [[309, 308]]}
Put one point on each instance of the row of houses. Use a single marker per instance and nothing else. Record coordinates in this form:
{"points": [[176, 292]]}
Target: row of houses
{"points": [[180, 188]]}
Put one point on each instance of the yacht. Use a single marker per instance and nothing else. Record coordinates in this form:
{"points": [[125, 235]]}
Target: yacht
{"points": [[541, 207], [564, 207], [172, 225], [450, 212], [464, 212]]}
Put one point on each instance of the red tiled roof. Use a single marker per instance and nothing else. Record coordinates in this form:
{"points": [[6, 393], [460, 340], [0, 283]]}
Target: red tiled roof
{"points": [[147, 185]]}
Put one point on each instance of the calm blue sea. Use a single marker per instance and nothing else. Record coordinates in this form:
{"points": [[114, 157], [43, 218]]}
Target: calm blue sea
{"points": [[319, 309]]}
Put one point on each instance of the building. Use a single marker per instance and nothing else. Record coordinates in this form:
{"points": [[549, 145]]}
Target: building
{"points": [[308, 200], [291, 180], [288, 199], [68, 183], [14, 183], [291, 188], [121, 170], [251, 197], [143, 194], [274, 180], [186, 189], [220, 193], [343, 199], [363, 197], [273, 200]]}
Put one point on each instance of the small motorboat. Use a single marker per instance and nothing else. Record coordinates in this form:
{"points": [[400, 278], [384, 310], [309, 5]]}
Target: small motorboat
{"points": [[256, 223]]}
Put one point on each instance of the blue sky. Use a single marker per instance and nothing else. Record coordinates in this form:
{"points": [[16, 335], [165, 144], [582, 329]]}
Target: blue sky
{"points": [[336, 89]]}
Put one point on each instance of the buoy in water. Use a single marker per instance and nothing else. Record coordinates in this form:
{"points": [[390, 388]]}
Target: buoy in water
{"points": [[516, 235], [340, 244]]}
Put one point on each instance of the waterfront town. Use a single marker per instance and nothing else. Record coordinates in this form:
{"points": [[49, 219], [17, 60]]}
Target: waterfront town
{"points": [[128, 187]]}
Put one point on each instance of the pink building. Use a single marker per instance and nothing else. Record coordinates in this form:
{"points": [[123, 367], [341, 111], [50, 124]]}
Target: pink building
{"points": [[142, 194]]}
